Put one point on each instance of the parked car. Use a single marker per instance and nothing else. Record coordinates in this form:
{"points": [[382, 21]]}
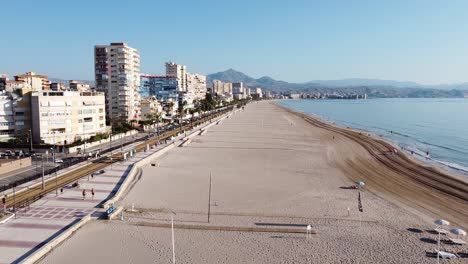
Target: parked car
{"points": [[58, 161], [9, 153]]}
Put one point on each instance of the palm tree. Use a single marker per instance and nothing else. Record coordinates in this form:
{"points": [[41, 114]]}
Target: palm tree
{"points": [[181, 111]]}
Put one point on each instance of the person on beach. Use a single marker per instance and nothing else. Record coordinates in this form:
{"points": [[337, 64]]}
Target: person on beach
{"points": [[92, 193], [84, 194]]}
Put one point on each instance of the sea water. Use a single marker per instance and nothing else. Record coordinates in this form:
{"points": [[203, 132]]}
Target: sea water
{"points": [[437, 126]]}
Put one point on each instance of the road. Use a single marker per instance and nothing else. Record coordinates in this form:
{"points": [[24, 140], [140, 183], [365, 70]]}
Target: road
{"points": [[36, 167]]}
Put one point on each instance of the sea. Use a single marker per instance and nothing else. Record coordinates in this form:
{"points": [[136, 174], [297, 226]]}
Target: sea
{"points": [[437, 126]]}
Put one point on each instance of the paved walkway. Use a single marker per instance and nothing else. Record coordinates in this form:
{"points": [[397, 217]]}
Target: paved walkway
{"points": [[47, 218]]}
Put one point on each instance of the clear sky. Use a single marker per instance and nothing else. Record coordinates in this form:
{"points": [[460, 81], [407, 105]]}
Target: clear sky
{"points": [[292, 40]]}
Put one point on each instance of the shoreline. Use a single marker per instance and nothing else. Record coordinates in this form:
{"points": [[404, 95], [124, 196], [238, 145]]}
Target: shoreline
{"points": [[420, 159], [445, 194], [447, 166]]}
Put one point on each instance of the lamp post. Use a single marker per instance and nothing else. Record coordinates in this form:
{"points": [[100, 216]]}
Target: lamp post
{"points": [[110, 147], [42, 162], [30, 135], [55, 168], [173, 240], [84, 140]]}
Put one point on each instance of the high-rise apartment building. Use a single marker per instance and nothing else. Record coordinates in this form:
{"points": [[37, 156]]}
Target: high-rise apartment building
{"points": [[220, 87], [238, 90], [180, 72], [196, 85], [117, 70]]}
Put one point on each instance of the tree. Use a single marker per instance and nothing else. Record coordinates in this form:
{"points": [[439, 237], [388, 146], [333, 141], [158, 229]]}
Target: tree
{"points": [[181, 111]]}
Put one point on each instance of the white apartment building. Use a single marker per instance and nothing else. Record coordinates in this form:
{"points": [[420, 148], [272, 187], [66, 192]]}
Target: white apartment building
{"points": [[35, 81], [7, 121], [66, 116], [117, 74], [196, 85], [220, 87], [15, 116], [180, 72]]}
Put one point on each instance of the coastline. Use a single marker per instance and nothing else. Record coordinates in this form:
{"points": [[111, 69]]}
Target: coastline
{"points": [[447, 166], [445, 193]]}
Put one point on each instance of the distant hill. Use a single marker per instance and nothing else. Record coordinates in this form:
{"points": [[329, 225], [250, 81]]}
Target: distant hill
{"points": [[373, 87], [236, 76]]}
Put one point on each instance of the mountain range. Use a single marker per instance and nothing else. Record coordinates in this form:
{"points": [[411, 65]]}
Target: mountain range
{"points": [[372, 87], [269, 83]]}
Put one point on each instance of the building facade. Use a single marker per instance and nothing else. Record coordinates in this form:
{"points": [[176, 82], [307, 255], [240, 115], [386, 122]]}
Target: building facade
{"points": [[35, 81], [149, 107], [117, 70], [180, 72], [196, 85], [15, 116], [161, 87], [78, 86], [63, 117], [57, 86], [238, 90], [220, 87]]}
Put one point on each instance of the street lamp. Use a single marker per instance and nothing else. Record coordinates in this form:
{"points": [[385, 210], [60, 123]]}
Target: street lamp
{"points": [[30, 134], [42, 163], [55, 168], [173, 241]]}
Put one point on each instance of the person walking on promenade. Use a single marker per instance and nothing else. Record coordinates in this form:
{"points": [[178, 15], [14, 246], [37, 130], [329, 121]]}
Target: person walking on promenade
{"points": [[84, 194], [92, 193]]}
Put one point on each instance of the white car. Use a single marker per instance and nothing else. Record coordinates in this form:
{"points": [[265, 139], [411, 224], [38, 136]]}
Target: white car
{"points": [[58, 161]]}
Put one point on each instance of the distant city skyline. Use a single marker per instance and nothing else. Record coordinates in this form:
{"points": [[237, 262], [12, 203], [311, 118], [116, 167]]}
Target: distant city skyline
{"points": [[293, 41]]}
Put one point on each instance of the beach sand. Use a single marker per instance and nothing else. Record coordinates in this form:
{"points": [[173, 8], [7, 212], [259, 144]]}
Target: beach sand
{"points": [[269, 168]]}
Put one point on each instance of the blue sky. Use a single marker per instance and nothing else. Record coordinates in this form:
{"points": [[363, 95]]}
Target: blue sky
{"points": [[295, 40]]}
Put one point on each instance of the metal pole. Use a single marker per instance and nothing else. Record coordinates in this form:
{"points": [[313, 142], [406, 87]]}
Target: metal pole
{"points": [[110, 146], [14, 200], [209, 199], [55, 168], [173, 241], [30, 134], [84, 140], [43, 182]]}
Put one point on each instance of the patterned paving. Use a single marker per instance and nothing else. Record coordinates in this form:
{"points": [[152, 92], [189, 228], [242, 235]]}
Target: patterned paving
{"points": [[56, 213]]}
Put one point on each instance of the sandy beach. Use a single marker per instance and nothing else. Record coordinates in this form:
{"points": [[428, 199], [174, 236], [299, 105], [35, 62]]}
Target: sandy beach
{"points": [[271, 168]]}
